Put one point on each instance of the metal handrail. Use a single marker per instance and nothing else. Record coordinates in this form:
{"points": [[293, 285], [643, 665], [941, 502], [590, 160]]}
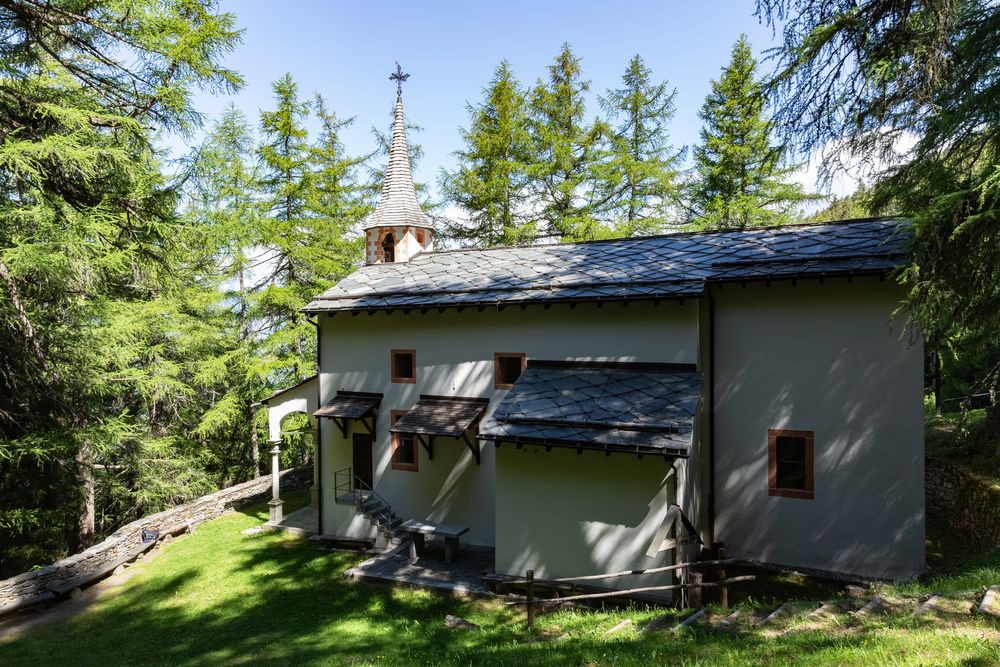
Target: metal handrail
{"points": [[344, 480]]}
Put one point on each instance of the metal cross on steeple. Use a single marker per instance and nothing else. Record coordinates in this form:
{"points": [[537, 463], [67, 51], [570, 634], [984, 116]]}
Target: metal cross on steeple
{"points": [[399, 78]]}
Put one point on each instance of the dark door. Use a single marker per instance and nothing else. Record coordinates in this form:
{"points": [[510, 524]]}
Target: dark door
{"points": [[363, 459]]}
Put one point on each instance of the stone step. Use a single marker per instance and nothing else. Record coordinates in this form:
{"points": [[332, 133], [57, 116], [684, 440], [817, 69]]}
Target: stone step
{"points": [[930, 604], [729, 622], [689, 621], [872, 605], [784, 610]]}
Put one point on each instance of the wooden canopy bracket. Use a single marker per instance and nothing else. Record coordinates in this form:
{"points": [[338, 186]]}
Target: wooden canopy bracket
{"points": [[473, 446], [342, 425], [427, 444], [369, 424]]}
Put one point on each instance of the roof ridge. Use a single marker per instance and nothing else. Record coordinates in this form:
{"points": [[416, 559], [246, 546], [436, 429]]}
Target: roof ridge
{"points": [[703, 232]]}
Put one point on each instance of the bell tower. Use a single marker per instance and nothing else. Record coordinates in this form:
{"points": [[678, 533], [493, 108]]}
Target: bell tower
{"points": [[398, 229]]}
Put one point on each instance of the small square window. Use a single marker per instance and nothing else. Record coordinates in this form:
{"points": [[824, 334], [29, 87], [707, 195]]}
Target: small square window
{"points": [[507, 367], [403, 364], [790, 463], [404, 447]]}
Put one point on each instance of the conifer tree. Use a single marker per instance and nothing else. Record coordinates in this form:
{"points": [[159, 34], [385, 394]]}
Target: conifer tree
{"points": [[566, 153], [337, 201], [641, 177], [741, 180], [88, 246], [286, 178], [490, 183]]}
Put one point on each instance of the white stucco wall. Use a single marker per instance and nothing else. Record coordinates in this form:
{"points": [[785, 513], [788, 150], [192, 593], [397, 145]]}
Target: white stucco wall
{"points": [[300, 398], [825, 358], [565, 514], [454, 356]]}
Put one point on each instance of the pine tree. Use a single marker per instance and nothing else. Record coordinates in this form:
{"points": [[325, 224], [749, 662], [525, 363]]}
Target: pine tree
{"points": [[741, 180], [491, 181], [641, 181], [566, 152]]}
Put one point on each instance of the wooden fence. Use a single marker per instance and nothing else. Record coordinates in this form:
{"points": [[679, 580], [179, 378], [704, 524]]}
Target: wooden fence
{"points": [[721, 582]]}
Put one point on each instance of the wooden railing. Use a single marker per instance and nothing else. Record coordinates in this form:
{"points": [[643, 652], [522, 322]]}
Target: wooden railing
{"points": [[721, 582]]}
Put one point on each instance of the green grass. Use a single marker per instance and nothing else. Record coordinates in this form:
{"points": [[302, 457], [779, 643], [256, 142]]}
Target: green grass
{"points": [[222, 598]]}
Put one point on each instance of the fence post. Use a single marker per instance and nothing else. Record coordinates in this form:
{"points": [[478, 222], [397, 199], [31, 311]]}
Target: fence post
{"points": [[723, 589], [679, 560], [530, 576]]}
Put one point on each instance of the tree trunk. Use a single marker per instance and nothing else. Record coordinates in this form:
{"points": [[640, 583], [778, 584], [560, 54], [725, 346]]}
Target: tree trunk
{"points": [[85, 479], [254, 447]]}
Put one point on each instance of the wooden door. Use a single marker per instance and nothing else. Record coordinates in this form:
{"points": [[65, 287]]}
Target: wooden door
{"points": [[363, 459]]}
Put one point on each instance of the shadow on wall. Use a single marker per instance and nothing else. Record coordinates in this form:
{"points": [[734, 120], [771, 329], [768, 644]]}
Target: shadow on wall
{"points": [[867, 516]]}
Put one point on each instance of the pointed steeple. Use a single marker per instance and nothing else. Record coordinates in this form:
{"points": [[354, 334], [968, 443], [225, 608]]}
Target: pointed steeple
{"points": [[398, 228]]}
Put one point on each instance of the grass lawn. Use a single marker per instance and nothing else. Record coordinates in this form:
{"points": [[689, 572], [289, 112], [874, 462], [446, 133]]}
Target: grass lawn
{"points": [[221, 598]]}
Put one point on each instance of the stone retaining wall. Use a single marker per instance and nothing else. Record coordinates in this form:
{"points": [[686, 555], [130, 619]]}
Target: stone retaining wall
{"points": [[48, 583], [967, 503]]}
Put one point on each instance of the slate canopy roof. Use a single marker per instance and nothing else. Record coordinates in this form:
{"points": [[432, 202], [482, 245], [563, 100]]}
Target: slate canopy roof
{"points": [[669, 266], [630, 408]]}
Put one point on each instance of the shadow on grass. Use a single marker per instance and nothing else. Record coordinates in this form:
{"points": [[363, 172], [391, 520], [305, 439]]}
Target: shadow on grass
{"points": [[222, 598]]}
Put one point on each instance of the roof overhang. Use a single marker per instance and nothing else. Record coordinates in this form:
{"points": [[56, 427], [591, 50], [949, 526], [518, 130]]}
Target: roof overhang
{"points": [[359, 405], [641, 409], [448, 416]]}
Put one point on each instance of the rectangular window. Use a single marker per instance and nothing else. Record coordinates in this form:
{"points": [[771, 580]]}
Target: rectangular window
{"points": [[790, 463], [404, 447], [404, 366], [507, 367]]}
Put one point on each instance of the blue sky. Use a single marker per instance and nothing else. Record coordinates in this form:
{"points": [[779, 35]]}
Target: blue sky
{"points": [[346, 50]]}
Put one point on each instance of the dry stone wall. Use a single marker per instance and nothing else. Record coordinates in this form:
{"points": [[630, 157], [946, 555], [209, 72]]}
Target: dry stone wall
{"points": [[58, 579], [968, 504]]}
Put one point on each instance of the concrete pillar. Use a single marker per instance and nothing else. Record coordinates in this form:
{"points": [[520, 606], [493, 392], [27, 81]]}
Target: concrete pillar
{"points": [[275, 514]]}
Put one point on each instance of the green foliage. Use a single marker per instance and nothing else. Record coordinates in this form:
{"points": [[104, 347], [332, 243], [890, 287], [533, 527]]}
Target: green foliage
{"points": [[213, 597], [567, 151], [640, 183], [90, 257], [855, 205], [492, 179], [741, 177], [870, 79]]}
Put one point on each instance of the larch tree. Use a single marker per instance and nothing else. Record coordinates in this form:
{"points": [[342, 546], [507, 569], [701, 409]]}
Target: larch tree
{"points": [[491, 181], [641, 182], [911, 89], [741, 179], [286, 177], [87, 241], [567, 151]]}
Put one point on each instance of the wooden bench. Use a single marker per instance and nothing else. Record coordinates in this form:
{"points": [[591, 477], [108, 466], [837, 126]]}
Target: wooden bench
{"points": [[419, 530]]}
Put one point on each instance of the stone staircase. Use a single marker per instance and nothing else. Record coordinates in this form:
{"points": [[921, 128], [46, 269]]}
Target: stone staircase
{"points": [[794, 617], [373, 507]]}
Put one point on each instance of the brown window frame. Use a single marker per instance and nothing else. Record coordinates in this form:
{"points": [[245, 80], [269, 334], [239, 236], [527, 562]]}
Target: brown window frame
{"points": [[394, 416], [497, 356], [397, 379], [773, 489]]}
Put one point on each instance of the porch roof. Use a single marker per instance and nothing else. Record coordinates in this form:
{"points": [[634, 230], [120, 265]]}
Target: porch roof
{"points": [[448, 416], [631, 408], [349, 405]]}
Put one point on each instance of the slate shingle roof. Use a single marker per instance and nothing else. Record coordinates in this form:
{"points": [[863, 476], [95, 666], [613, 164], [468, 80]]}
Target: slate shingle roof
{"points": [[674, 265], [349, 405], [436, 415], [617, 409], [398, 203]]}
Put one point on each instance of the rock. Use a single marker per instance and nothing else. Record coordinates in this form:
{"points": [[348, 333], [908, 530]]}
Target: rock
{"points": [[856, 591], [783, 610], [253, 530], [456, 623], [621, 626], [872, 605], [118, 570], [75, 593], [991, 602], [689, 621]]}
